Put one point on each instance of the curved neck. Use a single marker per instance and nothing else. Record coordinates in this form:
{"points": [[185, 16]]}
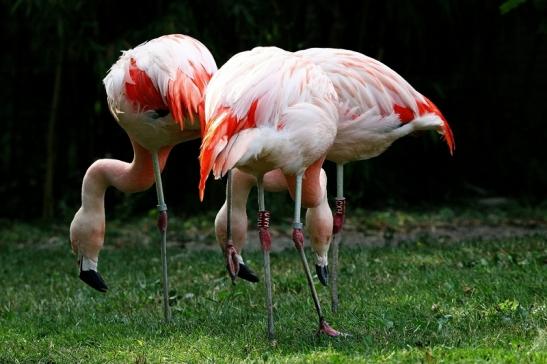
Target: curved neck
{"points": [[131, 177]]}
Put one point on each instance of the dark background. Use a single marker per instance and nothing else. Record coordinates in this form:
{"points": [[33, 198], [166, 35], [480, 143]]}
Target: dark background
{"points": [[484, 63]]}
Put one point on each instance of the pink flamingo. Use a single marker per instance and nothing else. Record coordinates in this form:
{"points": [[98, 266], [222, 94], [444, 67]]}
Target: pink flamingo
{"points": [[155, 92], [376, 107], [267, 109]]}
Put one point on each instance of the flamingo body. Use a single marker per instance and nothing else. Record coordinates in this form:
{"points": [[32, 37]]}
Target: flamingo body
{"points": [[155, 92], [376, 105], [267, 109]]}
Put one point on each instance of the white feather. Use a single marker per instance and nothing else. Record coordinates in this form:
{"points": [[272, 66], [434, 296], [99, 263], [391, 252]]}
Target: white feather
{"points": [[368, 90], [295, 116]]}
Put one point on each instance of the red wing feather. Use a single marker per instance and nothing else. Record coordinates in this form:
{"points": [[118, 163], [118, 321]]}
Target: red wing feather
{"points": [[185, 95], [218, 133], [142, 90], [429, 106], [407, 115]]}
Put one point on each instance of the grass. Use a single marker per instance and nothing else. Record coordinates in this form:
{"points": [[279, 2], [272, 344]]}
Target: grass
{"points": [[474, 301]]}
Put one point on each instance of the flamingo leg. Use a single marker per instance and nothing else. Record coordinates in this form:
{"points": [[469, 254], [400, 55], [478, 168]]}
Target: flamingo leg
{"points": [[298, 239], [339, 216], [265, 243], [232, 264], [162, 226]]}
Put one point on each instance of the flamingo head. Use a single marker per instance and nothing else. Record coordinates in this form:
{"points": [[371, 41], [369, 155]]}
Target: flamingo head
{"points": [[87, 230]]}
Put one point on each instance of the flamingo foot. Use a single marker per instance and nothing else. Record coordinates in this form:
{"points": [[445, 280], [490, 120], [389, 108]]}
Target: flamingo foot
{"points": [[325, 328], [322, 274], [232, 264], [247, 274]]}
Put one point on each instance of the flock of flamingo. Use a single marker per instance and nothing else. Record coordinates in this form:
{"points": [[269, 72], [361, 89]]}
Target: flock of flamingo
{"points": [[267, 117]]}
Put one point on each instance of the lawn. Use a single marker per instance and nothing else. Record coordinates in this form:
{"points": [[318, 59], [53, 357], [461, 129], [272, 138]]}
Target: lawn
{"points": [[477, 300]]}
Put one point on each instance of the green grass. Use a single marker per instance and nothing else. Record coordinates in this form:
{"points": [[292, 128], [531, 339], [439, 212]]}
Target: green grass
{"points": [[475, 301]]}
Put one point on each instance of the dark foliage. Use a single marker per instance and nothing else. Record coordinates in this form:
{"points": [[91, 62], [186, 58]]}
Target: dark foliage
{"points": [[483, 63]]}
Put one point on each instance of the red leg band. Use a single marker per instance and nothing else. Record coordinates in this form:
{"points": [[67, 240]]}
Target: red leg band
{"points": [[162, 221], [339, 215], [298, 238], [264, 230]]}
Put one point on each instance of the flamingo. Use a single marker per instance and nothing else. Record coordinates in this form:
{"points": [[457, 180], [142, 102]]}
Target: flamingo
{"points": [[267, 109], [376, 106], [155, 92]]}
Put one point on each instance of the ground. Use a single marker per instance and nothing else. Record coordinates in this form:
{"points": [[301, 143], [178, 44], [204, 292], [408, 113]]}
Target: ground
{"points": [[440, 285]]}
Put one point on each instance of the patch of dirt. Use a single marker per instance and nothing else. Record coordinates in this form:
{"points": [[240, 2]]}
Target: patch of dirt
{"points": [[388, 236]]}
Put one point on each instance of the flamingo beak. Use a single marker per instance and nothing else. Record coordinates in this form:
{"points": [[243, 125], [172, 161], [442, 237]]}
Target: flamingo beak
{"points": [[322, 274], [92, 278]]}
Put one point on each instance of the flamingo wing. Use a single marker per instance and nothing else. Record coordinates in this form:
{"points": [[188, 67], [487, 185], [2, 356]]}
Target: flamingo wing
{"points": [[365, 84]]}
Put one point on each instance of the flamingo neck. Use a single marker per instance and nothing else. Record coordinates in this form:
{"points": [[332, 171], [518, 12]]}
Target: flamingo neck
{"points": [[313, 187], [131, 177]]}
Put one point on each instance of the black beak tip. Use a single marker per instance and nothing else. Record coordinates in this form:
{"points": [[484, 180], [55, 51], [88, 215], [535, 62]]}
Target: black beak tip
{"points": [[94, 280], [247, 274], [322, 274]]}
